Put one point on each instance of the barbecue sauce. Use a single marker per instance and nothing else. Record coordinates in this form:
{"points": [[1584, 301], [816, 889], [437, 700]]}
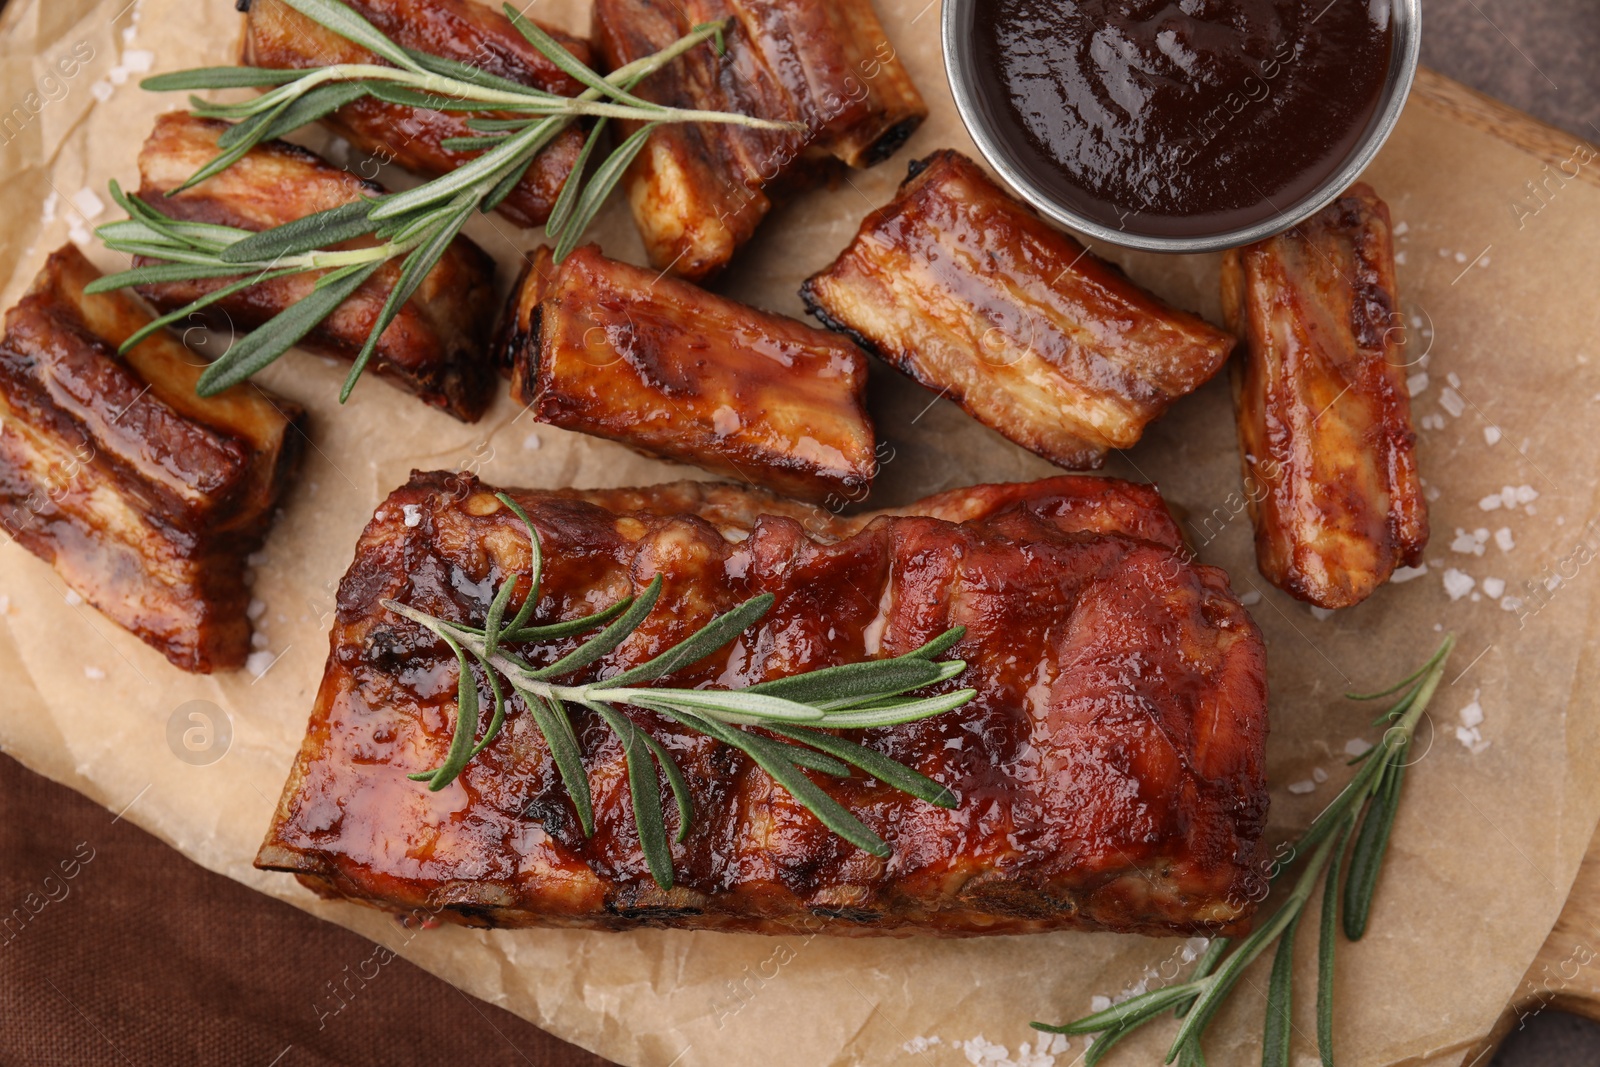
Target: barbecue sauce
{"points": [[1181, 118]]}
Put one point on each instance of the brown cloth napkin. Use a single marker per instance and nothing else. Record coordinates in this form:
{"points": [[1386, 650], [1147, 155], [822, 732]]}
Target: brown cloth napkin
{"points": [[115, 949]]}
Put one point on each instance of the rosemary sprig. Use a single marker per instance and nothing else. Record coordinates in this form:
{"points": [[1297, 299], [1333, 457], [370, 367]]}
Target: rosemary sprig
{"points": [[1364, 811], [416, 226], [791, 710]]}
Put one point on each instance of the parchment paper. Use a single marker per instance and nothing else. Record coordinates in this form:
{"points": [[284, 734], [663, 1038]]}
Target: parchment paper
{"points": [[1499, 301]]}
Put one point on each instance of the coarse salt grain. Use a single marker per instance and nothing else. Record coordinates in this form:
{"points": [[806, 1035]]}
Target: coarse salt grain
{"points": [[1472, 714], [1491, 435], [1466, 544], [1452, 402], [138, 60], [1490, 502], [258, 640], [73, 598], [102, 90], [1453, 379], [1305, 785], [1417, 383], [1250, 599], [1458, 583], [1511, 603], [88, 203], [1494, 588], [531, 443], [1357, 746], [1503, 538], [1400, 229], [1405, 574], [255, 608], [258, 662], [1321, 614], [1319, 775], [93, 673], [1099, 1002], [413, 514]]}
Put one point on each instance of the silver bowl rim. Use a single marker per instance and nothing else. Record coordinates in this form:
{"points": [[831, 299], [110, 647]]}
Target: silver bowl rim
{"points": [[1403, 61]]}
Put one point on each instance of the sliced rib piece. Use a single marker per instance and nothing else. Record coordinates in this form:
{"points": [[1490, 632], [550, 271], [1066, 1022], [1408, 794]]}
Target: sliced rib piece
{"points": [[1324, 413], [436, 348], [966, 290], [477, 34], [144, 497], [1109, 772], [614, 350], [698, 191]]}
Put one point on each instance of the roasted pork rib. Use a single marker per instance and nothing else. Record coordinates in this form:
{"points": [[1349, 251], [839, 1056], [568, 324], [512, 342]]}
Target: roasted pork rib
{"points": [[614, 350], [1109, 772], [966, 290], [145, 497], [437, 346], [467, 31], [1324, 412], [698, 191]]}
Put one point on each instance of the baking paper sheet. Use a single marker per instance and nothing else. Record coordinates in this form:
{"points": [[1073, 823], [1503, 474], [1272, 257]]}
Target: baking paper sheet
{"points": [[1502, 322]]}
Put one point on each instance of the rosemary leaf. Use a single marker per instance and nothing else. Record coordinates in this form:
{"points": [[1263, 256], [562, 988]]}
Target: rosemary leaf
{"points": [[772, 757], [219, 78], [416, 268], [464, 177], [1103, 1044], [609, 638], [567, 199], [1275, 1041], [446, 67], [812, 760], [257, 130], [471, 144], [1372, 841], [466, 722], [552, 50], [279, 334], [322, 229], [645, 791], [554, 630], [680, 788], [1327, 935], [492, 626], [157, 273], [895, 714], [939, 645], [888, 771], [195, 305], [606, 177], [551, 718], [321, 101], [852, 683], [347, 23], [536, 568], [1128, 1014], [728, 705], [714, 635]]}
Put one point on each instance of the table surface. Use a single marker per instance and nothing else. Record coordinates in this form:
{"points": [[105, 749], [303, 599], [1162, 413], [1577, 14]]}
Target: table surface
{"points": [[145, 958]]}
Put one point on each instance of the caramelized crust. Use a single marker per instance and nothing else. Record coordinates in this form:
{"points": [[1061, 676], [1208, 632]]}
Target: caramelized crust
{"points": [[699, 190], [144, 497], [1110, 771], [966, 290], [434, 348], [1324, 412], [275, 35], [610, 349]]}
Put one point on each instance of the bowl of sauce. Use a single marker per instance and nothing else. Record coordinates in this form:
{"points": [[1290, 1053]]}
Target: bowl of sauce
{"points": [[1180, 125]]}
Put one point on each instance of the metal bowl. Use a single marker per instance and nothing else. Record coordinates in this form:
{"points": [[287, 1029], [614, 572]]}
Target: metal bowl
{"points": [[961, 67]]}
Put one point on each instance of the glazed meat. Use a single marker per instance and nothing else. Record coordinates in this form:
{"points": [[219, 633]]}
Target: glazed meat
{"points": [[437, 346], [1109, 772], [698, 191], [144, 497], [1324, 413], [275, 35], [610, 349], [966, 290]]}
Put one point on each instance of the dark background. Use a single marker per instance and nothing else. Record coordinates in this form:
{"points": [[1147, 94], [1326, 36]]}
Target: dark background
{"points": [[149, 959]]}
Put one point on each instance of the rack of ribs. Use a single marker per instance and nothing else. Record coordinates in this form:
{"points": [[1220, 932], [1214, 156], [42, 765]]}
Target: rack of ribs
{"points": [[1109, 773], [699, 190], [144, 497], [1323, 407], [966, 290], [614, 350], [437, 346], [477, 34]]}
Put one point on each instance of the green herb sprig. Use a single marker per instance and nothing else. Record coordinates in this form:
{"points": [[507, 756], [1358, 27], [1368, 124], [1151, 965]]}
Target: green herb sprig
{"points": [[417, 225], [1363, 811], [853, 696]]}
